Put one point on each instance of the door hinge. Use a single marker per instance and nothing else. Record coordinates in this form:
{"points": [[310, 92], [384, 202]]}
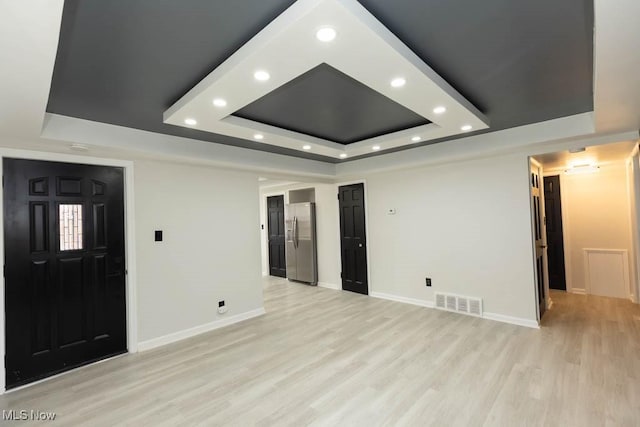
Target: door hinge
{"points": [[338, 196], [341, 275]]}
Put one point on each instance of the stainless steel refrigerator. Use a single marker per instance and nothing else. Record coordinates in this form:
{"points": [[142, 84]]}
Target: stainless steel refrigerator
{"points": [[300, 250]]}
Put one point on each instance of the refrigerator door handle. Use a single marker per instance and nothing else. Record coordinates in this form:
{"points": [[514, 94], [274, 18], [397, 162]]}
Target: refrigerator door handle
{"points": [[295, 232]]}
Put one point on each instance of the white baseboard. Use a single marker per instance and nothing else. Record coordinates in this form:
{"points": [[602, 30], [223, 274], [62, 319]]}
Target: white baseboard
{"points": [[265, 273], [329, 286], [512, 320], [430, 304], [191, 332], [578, 291], [412, 301]]}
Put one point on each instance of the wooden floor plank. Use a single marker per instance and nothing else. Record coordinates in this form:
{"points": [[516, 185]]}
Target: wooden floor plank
{"points": [[323, 357]]}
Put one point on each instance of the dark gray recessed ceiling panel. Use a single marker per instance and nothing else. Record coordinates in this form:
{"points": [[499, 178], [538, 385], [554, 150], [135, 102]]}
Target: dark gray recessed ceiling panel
{"points": [[326, 103], [125, 63], [519, 62]]}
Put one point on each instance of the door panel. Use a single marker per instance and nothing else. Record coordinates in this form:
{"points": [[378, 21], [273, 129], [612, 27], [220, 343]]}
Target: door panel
{"points": [[555, 239], [276, 233], [65, 274], [353, 239], [71, 302]]}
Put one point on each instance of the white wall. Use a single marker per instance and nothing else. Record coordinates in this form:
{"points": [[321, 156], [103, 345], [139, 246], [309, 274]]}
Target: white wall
{"points": [[211, 247], [466, 225], [327, 228], [595, 215]]}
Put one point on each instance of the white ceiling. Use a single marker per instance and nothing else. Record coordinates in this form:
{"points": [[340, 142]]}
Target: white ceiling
{"points": [[597, 155]]}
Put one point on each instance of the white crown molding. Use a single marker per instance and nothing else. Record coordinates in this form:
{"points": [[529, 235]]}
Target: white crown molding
{"points": [[174, 148], [538, 138], [545, 137]]}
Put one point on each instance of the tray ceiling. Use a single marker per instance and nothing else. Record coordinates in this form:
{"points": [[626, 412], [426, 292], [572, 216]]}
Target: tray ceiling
{"points": [[507, 63]]}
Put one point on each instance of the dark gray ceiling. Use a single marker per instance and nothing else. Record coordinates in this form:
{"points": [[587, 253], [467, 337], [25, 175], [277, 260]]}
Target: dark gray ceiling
{"points": [[125, 63], [326, 103]]}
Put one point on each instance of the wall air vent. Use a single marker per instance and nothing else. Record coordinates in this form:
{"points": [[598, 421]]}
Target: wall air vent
{"points": [[451, 302], [475, 307], [463, 304], [440, 301], [459, 304]]}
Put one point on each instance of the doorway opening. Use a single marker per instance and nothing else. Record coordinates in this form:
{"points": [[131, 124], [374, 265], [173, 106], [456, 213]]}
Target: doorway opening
{"points": [[588, 216], [65, 283]]}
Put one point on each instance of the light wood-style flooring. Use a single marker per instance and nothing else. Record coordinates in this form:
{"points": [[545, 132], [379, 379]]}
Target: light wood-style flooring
{"points": [[327, 358]]}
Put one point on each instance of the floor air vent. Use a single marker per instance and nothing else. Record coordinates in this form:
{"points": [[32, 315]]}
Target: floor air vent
{"points": [[459, 304]]}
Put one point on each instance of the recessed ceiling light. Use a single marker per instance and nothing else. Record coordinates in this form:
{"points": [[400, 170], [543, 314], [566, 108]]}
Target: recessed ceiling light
{"points": [[416, 139], [219, 102], [258, 136], [440, 110], [577, 150], [343, 155], [375, 147], [398, 82], [326, 34], [190, 122], [306, 147], [261, 75], [466, 128]]}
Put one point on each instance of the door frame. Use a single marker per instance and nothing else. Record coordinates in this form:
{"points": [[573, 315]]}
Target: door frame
{"points": [[531, 162], [264, 233], [130, 249], [366, 231], [633, 190]]}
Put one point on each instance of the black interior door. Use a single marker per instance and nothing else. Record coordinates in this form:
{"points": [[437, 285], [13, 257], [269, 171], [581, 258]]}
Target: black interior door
{"points": [[275, 226], [353, 239], [555, 242], [64, 267]]}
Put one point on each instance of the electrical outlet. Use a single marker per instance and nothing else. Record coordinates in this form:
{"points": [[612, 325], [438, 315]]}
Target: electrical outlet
{"points": [[428, 280], [222, 309]]}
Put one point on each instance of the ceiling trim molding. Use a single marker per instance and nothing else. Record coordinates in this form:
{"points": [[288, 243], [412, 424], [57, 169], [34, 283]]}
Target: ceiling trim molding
{"points": [[95, 134], [544, 137], [29, 31], [554, 135], [385, 58], [616, 67]]}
